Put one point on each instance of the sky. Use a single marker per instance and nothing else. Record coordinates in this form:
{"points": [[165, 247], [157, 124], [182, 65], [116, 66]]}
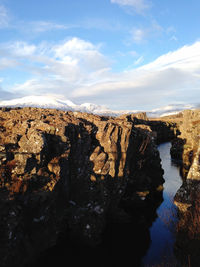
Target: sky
{"points": [[125, 54]]}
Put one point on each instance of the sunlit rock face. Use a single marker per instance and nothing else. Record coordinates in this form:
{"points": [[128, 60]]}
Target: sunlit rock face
{"points": [[68, 172], [162, 130], [186, 146], [186, 149]]}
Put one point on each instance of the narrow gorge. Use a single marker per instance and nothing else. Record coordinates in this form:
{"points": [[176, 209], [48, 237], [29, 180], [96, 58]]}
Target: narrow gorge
{"points": [[74, 179], [186, 151]]}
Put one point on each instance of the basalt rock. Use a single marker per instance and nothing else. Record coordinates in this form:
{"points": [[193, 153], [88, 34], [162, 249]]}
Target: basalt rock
{"points": [[68, 172], [186, 150], [162, 130], [185, 147]]}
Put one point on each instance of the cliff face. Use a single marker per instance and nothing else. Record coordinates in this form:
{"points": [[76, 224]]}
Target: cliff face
{"points": [[186, 150], [162, 130], [185, 147], [68, 172]]}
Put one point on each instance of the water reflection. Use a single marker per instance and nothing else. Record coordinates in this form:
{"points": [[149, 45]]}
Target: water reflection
{"points": [[146, 238], [163, 229]]}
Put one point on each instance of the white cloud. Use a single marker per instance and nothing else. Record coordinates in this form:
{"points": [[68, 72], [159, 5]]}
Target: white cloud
{"points": [[141, 34], [185, 58], [30, 27], [73, 46], [138, 35], [80, 54], [43, 26], [21, 49], [138, 5], [4, 17], [60, 67], [6, 63], [100, 24], [139, 60], [170, 77], [36, 28], [77, 69]]}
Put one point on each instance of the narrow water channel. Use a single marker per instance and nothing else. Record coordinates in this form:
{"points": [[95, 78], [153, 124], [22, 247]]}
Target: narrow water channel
{"points": [[162, 231], [132, 243]]}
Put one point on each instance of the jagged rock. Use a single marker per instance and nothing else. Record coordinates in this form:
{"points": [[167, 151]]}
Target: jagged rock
{"points": [[194, 171], [186, 149], [64, 171]]}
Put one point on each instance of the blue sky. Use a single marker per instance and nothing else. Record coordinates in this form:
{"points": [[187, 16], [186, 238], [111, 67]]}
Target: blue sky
{"points": [[126, 54]]}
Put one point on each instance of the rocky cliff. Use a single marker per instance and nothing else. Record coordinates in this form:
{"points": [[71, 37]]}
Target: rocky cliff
{"points": [[69, 172], [186, 151], [162, 130]]}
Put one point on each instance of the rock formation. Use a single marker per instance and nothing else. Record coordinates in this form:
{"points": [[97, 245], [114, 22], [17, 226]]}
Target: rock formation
{"points": [[186, 150], [69, 172], [162, 130]]}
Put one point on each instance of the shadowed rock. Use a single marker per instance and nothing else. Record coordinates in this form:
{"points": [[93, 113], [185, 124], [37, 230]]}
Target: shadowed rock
{"points": [[68, 173]]}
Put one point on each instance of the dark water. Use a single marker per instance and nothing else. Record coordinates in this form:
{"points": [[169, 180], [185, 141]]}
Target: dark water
{"points": [[146, 240], [163, 228]]}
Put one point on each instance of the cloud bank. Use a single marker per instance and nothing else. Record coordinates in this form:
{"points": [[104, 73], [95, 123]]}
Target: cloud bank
{"points": [[78, 70]]}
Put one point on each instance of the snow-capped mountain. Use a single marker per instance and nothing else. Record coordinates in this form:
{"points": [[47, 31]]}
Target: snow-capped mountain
{"points": [[65, 104], [39, 101], [170, 109], [55, 103]]}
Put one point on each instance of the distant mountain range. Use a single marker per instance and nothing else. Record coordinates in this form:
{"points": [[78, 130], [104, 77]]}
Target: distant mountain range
{"points": [[64, 104]]}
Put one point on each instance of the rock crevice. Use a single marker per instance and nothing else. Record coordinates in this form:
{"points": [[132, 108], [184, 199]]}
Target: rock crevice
{"points": [[69, 172]]}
